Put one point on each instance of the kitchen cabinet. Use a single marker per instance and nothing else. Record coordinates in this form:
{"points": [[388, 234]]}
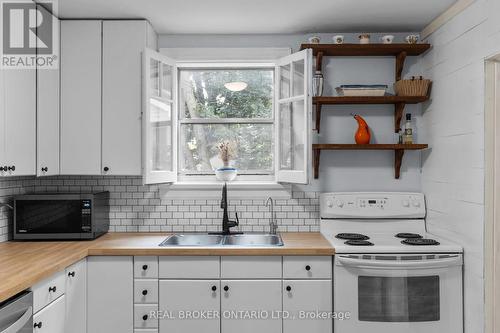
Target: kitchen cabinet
{"points": [[241, 297], [76, 297], [51, 318], [81, 97], [123, 43], [303, 297], [179, 297], [110, 294]]}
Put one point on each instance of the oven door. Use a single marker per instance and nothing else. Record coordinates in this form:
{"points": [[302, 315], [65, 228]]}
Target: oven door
{"points": [[399, 293]]}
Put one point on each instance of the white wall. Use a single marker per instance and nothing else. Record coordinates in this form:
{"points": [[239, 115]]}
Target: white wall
{"points": [[351, 170], [453, 125]]}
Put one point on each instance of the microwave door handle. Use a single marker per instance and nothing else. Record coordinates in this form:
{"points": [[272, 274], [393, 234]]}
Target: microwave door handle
{"points": [[400, 264], [19, 324]]}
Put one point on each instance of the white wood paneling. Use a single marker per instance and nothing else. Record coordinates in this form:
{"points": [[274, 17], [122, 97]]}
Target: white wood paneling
{"points": [[81, 97]]}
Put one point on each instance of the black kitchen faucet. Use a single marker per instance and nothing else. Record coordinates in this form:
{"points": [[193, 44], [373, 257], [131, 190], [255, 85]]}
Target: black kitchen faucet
{"points": [[227, 224]]}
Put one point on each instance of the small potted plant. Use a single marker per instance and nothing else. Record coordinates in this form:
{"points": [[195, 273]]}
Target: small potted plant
{"points": [[227, 152]]}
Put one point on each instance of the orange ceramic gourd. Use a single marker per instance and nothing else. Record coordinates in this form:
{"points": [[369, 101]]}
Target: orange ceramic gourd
{"points": [[362, 136]]}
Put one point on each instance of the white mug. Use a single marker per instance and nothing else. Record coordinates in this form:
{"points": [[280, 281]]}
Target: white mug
{"points": [[338, 39], [387, 39], [411, 39], [314, 40], [364, 39]]}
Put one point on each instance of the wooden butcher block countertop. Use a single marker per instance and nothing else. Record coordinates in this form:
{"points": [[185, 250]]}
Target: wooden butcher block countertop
{"points": [[23, 264]]}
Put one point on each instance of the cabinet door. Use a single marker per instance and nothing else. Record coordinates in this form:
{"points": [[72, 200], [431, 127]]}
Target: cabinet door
{"points": [[180, 297], [3, 158], [110, 294], [81, 97], [240, 297], [48, 117], [20, 121], [122, 47], [307, 296], [51, 318], [76, 297]]}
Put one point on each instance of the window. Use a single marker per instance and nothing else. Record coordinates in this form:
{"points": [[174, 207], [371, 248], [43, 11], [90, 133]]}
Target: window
{"points": [[235, 105], [263, 109]]}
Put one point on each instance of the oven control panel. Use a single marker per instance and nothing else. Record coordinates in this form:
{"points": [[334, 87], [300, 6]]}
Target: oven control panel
{"points": [[372, 205]]}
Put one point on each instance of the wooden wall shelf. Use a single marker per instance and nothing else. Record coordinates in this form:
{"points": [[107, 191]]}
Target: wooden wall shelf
{"points": [[398, 101], [398, 149], [366, 50]]}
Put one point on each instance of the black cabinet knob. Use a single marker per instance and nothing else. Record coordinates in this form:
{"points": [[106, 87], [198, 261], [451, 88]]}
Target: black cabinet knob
{"points": [[226, 288], [5, 168], [144, 292], [45, 169], [308, 268], [214, 288], [37, 325], [144, 267], [12, 168], [145, 317], [288, 288], [72, 274], [2, 169], [106, 169], [52, 289]]}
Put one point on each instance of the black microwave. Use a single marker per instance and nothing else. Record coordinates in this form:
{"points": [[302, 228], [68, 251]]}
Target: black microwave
{"points": [[46, 216]]}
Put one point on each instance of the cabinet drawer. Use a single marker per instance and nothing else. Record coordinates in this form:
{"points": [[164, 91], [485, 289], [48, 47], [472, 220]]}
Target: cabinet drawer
{"points": [[251, 267], [146, 267], [189, 267], [48, 290], [146, 291], [143, 317], [51, 318], [307, 267], [146, 330]]}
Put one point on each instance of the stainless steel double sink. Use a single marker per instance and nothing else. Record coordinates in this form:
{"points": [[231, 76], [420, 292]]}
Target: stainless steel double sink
{"points": [[243, 240]]}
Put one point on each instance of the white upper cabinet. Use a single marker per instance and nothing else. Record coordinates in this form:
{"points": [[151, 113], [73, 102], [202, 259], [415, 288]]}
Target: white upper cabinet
{"points": [[81, 97], [159, 121], [293, 117], [123, 45], [47, 119]]}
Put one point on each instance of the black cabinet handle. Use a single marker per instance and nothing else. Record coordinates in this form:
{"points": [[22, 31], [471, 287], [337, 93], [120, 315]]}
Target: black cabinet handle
{"points": [[52, 289], [145, 317], [144, 267], [45, 169], [106, 169], [144, 292], [226, 288], [37, 325], [308, 268], [214, 288], [5, 168], [12, 168], [72, 274], [2, 169], [288, 288]]}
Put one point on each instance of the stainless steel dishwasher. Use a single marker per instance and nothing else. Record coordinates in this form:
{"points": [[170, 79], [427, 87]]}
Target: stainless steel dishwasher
{"points": [[16, 314]]}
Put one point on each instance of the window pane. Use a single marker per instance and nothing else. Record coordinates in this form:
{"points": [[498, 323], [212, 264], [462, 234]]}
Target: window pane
{"points": [[226, 93], [285, 81], [161, 135], [298, 78], [292, 127], [398, 299], [155, 70], [199, 153], [166, 81]]}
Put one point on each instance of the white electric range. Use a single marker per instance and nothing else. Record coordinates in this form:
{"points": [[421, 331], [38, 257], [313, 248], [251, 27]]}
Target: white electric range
{"points": [[390, 274]]}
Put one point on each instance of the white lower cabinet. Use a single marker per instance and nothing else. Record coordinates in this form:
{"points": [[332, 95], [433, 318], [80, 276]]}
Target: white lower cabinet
{"points": [[51, 318], [76, 297], [110, 296], [306, 302], [243, 301], [191, 306]]}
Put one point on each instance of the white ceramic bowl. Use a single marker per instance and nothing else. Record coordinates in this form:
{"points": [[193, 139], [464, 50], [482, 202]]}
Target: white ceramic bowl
{"points": [[226, 174]]}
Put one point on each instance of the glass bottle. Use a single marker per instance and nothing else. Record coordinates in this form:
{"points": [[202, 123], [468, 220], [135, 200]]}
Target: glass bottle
{"points": [[408, 134], [318, 82]]}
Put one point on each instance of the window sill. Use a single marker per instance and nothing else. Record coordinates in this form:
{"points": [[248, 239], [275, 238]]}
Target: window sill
{"points": [[236, 190]]}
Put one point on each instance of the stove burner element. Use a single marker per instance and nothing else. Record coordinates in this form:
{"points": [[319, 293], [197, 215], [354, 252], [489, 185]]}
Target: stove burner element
{"points": [[359, 243], [352, 236], [407, 235], [420, 241]]}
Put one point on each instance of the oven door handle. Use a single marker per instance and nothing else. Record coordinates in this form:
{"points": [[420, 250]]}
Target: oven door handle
{"points": [[400, 264], [19, 324]]}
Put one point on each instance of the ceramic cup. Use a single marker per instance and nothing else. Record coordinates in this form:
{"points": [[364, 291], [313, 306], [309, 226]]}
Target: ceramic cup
{"points": [[314, 40], [387, 39], [411, 39], [364, 39], [338, 39]]}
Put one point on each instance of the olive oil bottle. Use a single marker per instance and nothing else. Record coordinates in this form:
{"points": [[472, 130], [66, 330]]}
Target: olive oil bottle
{"points": [[408, 134]]}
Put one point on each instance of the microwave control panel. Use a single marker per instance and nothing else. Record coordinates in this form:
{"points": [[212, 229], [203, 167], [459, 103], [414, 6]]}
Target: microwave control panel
{"points": [[86, 215]]}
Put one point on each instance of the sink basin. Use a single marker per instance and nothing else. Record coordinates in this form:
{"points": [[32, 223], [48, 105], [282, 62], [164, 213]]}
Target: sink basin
{"points": [[254, 240], [193, 240]]}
